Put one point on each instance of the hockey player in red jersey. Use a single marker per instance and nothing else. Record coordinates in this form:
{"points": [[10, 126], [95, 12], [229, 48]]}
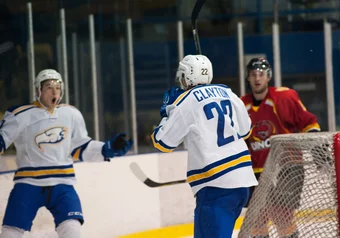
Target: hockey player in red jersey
{"points": [[273, 110]]}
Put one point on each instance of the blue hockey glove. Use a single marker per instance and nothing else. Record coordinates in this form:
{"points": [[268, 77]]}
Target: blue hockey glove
{"points": [[116, 146], [169, 97]]}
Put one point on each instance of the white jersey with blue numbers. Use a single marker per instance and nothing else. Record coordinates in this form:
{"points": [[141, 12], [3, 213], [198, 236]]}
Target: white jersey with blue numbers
{"points": [[213, 123], [46, 143]]}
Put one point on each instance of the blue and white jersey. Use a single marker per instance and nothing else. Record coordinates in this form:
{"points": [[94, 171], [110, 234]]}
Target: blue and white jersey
{"points": [[46, 141], [213, 123]]}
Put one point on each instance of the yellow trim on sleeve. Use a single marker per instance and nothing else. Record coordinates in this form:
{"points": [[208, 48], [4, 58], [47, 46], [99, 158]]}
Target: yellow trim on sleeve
{"points": [[315, 126], [76, 155], [257, 170], [249, 133], [159, 146]]}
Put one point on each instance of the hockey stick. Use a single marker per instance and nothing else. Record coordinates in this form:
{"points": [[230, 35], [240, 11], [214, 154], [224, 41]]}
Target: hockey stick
{"points": [[194, 15], [137, 171]]}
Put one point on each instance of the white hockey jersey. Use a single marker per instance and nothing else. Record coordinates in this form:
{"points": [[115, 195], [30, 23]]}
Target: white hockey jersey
{"points": [[213, 123], [46, 142]]}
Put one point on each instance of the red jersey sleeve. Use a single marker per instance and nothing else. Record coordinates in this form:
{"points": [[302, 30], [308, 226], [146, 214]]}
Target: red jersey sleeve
{"points": [[293, 113]]}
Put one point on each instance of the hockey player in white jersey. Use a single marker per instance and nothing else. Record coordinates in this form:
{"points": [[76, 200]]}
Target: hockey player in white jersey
{"points": [[213, 123], [46, 136]]}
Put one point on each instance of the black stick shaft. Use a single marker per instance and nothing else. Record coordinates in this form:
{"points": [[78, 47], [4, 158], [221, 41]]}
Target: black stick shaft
{"points": [[194, 15]]}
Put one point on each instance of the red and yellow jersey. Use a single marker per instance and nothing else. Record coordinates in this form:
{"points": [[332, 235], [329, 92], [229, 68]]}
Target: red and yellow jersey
{"points": [[280, 112]]}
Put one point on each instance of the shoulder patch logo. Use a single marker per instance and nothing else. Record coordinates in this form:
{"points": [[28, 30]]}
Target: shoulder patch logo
{"points": [[51, 136]]}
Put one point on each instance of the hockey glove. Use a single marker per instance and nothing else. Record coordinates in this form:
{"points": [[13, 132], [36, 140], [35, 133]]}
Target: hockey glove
{"points": [[169, 98], [116, 146]]}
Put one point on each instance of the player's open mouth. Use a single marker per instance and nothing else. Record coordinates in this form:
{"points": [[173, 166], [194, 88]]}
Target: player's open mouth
{"points": [[54, 100]]}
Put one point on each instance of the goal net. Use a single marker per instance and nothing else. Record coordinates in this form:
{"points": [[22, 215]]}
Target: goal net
{"points": [[298, 190]]}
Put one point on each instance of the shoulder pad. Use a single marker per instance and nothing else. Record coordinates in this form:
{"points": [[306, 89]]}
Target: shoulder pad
{"points": [[20, 108], [65, 105], [280, 89]]}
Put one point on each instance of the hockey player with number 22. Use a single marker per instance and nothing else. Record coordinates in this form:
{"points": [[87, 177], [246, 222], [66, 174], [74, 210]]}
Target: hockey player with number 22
{"points": [[46, 136], [213, 123]]}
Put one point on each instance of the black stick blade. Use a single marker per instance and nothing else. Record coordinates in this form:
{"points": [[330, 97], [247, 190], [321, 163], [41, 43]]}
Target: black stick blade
{"points": [[194, 15], [195, 12], [137, 171]]}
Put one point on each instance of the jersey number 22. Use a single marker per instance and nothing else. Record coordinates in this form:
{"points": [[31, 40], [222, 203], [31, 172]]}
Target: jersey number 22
{"points": [[222, 109]]}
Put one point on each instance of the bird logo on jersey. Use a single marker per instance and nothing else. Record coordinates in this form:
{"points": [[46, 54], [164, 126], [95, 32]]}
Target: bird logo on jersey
{"points": [[52, 136], [261, 132]]}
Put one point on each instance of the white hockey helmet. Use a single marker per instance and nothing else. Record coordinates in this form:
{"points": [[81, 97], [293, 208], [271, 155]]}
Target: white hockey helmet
{"points": [[47, 74], [194, 70]]}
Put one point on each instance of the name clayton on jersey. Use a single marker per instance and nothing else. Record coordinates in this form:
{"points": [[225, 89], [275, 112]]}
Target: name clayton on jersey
{"points": [[205, 93]]}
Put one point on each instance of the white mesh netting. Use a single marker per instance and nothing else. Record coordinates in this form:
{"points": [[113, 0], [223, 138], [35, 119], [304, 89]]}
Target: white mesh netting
{"points": [[297, 191]]}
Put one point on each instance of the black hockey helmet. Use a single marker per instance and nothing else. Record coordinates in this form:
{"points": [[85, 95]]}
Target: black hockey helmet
{"points": [[259, 64]]}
